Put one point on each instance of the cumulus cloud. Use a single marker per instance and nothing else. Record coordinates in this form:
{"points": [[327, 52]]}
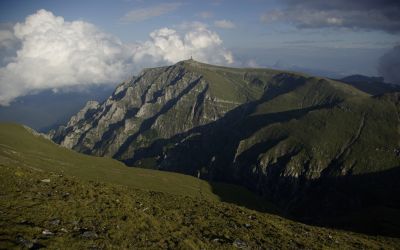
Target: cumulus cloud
{"points": [[8, 43], [142, 14], [224, 24], [389, 66], [57, 54], [358, 14], [7, 37], [169, 46]]}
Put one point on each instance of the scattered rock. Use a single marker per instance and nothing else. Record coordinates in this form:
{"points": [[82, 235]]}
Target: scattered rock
{"points": [[47, 232], [24, 242], [65, 195], [64, 230], [75, 223], [89, 235], [55, 222], [26, 222], [46, 180], [239, 244], [251, 217], [232, 225]]}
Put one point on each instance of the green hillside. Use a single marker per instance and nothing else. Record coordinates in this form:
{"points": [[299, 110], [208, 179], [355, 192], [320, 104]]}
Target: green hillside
{"points": [[21, 146], [56, 198]]}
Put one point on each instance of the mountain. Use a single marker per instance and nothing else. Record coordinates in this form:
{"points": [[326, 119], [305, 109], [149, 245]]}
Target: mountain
{"points": [[53, 197], [317, 147], [47, 109], [370, 85]]}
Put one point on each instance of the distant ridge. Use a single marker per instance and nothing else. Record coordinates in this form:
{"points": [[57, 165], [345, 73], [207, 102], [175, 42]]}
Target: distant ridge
{"points": [[370, 85]]}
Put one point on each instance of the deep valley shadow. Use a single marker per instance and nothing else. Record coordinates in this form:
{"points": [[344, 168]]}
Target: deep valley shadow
{"points": [[367, 203], [243, 197]]}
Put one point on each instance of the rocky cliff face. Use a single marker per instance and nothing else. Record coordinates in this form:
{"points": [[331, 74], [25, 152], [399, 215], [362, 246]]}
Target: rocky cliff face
{"points": [[157, 104], [278, 133]]}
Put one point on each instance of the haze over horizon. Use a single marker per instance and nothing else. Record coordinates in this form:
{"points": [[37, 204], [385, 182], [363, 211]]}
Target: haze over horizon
{"points": [[57, 45]]}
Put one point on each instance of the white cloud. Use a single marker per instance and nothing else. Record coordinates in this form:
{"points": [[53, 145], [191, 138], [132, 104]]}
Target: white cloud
{"points": [[7, 38], [57, 54], [224, 24], [169, 46], [8, 44], [149, 12]]}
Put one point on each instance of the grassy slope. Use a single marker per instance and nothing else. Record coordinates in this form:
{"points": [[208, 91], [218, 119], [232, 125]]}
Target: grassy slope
{"points": [[83, 213], [18, 146], [247, 84], [230, 84], [333, 128]]}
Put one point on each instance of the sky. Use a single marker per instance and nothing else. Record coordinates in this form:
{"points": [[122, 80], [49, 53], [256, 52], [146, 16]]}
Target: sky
{"points": [[61, 45]]}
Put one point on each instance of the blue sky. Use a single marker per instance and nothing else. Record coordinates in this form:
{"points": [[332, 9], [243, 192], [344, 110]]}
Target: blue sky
{"points": [[331, 38], [249, 32]]}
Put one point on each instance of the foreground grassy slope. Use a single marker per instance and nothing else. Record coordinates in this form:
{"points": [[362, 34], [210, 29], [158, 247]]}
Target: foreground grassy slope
{"points": [[20, 147], [46, 209]]}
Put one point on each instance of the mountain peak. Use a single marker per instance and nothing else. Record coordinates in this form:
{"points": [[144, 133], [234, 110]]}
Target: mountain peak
{"points": [[190, 61]]}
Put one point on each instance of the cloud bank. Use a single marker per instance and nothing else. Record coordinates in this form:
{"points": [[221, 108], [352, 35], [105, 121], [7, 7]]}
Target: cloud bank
{"points": [[389, 66], [357, 14], [54, 54]]}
